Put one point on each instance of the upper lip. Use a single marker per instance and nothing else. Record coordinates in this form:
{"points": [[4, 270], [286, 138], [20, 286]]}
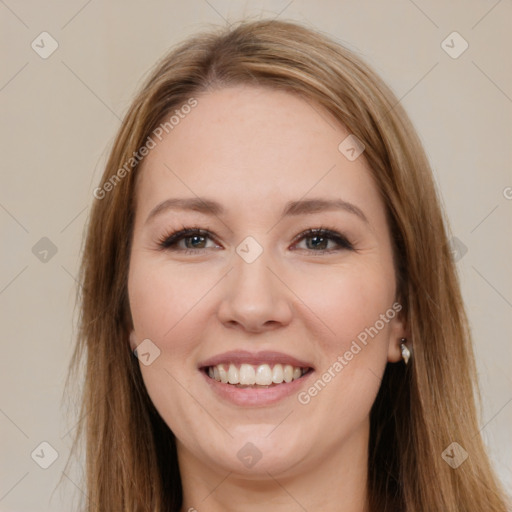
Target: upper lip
{"points": [[255, 358]]}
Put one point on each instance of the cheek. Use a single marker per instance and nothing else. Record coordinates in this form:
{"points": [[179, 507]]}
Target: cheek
{"points": [[348, 300], [161, 296], [356, 308], [166, 305]]}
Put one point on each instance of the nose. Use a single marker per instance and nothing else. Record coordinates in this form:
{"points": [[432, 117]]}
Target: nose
{"points": [[254, 298]]}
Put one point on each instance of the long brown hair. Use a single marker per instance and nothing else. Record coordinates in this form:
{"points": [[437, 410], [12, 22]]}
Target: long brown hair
{"points": [[131, 461]]}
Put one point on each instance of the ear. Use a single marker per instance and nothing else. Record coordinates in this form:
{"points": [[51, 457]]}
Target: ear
{"points": [[133, 340], [398, 330]]}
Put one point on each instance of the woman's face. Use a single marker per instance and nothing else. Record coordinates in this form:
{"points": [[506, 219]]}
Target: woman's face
{"points": [[252, 296]]}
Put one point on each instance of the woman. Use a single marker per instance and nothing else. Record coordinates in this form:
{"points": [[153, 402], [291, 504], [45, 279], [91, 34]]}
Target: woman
{"points": [[270, 314]]}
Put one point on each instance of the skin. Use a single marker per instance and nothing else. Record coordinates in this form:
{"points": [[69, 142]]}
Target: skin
{"points": [[252, 150]]}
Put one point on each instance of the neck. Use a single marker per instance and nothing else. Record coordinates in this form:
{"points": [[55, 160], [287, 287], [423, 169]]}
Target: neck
{"points": [[337, 483]]}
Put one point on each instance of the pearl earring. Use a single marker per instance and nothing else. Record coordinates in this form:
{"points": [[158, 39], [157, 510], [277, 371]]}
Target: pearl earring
{"points": [[406, 352]]}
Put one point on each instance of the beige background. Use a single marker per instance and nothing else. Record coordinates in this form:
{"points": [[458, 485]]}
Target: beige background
{"points": [[59, 117]]}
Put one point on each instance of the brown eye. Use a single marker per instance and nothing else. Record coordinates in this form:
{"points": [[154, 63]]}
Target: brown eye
{"points": [[195, 242], [317, 242]]}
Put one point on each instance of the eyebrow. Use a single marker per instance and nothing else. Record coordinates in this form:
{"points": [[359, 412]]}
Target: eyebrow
{"points": [[292, 208]]}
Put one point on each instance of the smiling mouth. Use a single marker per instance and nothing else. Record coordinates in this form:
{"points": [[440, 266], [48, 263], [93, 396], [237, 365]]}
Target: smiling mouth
{"points": [[255, 376]]}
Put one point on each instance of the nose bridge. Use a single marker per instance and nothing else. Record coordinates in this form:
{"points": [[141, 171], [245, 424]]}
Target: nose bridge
{"points": [[253, 297], [253, 275]]}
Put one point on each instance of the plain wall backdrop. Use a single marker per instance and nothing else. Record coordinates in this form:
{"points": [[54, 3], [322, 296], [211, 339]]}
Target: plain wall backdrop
{"points": [[60, 112]]}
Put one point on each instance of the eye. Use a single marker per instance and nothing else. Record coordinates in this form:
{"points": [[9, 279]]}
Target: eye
{"points": [[192, 240], [323, 240], [189, 240]]}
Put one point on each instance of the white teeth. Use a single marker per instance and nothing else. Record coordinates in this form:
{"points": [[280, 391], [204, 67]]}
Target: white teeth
{"points": [[247, 375], [288, 373], [264, 375], [233, 374], [223, 374], [277, 374], [260, 375]]}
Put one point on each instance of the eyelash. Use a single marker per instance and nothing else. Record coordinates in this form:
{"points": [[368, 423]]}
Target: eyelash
{"points": [[170, 240]]}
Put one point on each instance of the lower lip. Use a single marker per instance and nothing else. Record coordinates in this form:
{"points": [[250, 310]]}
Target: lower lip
{"points": [[254, 397]]}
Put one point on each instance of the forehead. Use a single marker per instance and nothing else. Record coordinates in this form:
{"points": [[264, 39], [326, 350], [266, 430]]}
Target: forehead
{"points": [[249, 144]]}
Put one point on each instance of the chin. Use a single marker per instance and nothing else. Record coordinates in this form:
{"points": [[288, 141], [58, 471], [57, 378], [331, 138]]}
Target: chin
{"points": [[255, 451]]}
